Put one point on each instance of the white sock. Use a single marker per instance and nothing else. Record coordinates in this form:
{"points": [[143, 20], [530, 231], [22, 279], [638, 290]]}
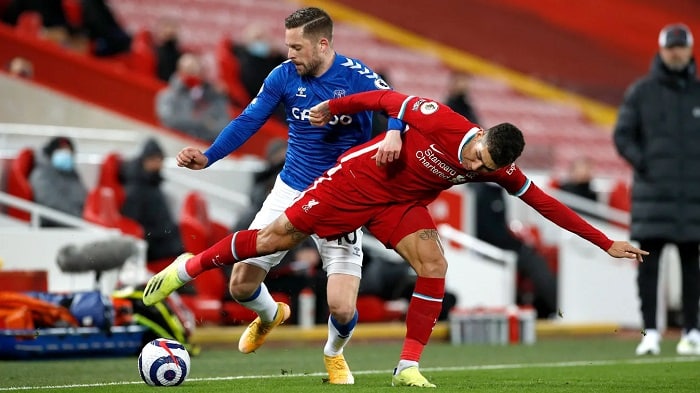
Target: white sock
{"points": [[182, 273], [404, 364], [336, 340], [262, 303]]}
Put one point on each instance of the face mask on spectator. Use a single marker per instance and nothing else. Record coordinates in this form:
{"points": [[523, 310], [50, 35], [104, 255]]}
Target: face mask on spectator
{"points": [[62, 160], [191, 81], [259, 48]]}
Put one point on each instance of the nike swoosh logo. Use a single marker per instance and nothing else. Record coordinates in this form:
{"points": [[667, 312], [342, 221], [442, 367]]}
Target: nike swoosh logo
{"points": [[432, 146]]}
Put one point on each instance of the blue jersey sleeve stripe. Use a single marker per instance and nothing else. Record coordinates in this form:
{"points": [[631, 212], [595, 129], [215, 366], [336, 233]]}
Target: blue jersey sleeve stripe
{"points": [[524, 188], [403, 106]]}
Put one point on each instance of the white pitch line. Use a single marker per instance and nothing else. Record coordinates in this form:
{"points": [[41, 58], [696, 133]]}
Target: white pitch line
{"points": [[581, 363]]}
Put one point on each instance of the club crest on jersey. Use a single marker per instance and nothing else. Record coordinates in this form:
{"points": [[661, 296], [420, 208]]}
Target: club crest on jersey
{"points": [[309, 205], [338, 93], [381, 84], [301, 91], [428, 108]]}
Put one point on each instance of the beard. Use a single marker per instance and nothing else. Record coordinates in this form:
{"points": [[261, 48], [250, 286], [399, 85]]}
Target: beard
{"points": [[311, 67]]}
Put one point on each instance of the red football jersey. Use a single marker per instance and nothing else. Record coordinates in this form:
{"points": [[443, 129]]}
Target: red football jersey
{"points": [[430, 161]]}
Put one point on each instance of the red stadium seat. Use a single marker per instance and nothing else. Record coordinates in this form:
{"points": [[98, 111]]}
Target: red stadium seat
{"points": [[101, 208], [229, 72], [18, 181], [29, 24], [109, 176], [142, 58], [74, 12], [198, 231]]}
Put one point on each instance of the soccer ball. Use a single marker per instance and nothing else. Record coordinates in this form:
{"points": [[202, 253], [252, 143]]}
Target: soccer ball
{"points": [[164, 362]]}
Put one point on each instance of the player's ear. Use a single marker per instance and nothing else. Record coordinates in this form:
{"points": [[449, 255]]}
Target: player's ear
{"points": [[323, 44]]}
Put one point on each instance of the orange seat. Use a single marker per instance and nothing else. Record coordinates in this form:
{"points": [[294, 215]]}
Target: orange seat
{"points": [[101, 208], [18, 181], [109, 176]]}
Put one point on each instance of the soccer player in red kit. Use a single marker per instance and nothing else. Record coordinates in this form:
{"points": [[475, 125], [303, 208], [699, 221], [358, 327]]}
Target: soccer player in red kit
{"points": [[389, 195]]}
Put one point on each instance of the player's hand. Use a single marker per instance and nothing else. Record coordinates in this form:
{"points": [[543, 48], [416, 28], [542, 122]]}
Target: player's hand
{"points": [[622, 249], [192, 158], [389, 148], [320, 114]]}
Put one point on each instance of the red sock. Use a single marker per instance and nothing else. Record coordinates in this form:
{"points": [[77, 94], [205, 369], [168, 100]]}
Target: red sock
{"points": [[423, 312], [227, 251]]}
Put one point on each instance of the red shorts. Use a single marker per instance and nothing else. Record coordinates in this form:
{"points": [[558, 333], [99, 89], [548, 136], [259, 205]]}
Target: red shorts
{"points": [[335, 208]]}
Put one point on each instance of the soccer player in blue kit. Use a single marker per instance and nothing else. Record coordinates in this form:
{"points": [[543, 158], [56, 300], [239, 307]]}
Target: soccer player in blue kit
{"points": [[313, 73]]}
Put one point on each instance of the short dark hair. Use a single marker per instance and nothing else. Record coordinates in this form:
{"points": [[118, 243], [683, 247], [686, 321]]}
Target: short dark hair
{"points": [[505, 142], [316, 22]]}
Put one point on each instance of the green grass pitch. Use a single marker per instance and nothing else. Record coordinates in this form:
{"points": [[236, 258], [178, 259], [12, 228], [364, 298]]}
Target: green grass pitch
{"points": [[551, 365]]}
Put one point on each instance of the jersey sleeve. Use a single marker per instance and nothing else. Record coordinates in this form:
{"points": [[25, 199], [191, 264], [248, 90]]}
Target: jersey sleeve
{"points": [[258, 111], [425, 114], [513, 180]]}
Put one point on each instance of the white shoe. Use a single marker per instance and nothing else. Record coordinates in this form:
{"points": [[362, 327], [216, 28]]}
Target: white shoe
{"points": [[650, 344], [690, 343]]}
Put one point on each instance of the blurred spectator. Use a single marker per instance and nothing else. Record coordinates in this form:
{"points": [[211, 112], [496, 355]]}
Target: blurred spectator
{"points": [[257, 57], [492, 227], [50, 12], [146, 203], [297, 271], [167, 48], [21, 67], [106, 34], [55, 182], [191, 104], [458, 98], [578, 180]]}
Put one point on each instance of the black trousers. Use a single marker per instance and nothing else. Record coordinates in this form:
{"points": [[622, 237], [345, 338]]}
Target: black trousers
{"points": [[648, 281]]}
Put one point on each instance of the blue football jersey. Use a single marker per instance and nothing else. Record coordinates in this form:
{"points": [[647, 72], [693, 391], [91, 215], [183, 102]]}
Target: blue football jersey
{"points": [[311, 150]]}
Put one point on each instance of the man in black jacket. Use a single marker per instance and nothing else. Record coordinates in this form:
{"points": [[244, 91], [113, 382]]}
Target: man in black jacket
{"points": [[658, 133], [146, 203]]}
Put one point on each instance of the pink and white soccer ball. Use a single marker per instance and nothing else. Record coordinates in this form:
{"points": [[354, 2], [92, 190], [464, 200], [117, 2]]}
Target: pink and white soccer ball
{"points": [[164, 362]]}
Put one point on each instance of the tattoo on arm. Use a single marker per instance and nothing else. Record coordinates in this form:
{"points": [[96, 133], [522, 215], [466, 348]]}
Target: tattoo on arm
{"points": [[293, 232]]}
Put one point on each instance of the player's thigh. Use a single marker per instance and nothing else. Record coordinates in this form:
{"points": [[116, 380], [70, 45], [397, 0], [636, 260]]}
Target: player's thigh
{"points": [[280, 197], [343, 255], [410, 230]]}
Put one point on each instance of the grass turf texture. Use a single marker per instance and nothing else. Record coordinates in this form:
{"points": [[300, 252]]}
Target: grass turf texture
{"points": [[552, 365]]}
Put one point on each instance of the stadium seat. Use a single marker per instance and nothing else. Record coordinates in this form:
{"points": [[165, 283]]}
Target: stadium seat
{"points": [[73, 10], [29, 24], [109, 176], [229, 72], [142, 58], [18, 181], [101, 208], [198, 231]]}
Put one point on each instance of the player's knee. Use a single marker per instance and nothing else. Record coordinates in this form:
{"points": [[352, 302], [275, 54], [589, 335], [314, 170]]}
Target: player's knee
{"points": [[433, 267], [240, 288], [342, 312]]}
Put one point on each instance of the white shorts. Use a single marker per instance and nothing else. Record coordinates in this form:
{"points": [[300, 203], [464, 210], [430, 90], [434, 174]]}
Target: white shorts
{"points": [[338, 256]]}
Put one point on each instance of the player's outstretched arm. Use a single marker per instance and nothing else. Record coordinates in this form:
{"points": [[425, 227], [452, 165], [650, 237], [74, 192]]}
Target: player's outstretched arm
{"points": [[623, 249], [192, 158]]}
